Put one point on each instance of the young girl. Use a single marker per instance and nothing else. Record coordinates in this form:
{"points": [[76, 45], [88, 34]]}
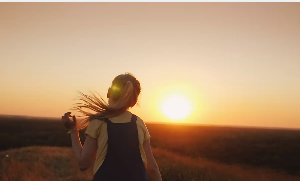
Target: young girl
{"points": [[117, 141]]}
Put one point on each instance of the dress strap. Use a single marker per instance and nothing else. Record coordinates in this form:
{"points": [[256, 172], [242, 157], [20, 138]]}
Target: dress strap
{"points": [[106, 120], [133, 118]]}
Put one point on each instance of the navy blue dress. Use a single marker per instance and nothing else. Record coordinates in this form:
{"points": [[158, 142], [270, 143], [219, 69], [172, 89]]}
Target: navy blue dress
{"points": [[123, 161]]}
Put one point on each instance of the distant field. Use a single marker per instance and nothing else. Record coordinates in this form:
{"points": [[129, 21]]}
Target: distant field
{"points": [[277, 149], [263, 153]]}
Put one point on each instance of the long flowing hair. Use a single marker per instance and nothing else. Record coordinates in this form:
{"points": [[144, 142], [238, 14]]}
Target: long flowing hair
{"points": [[122, 95]]}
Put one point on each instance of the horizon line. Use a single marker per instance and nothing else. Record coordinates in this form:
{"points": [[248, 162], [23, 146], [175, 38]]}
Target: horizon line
{"points": [[178, 123]]}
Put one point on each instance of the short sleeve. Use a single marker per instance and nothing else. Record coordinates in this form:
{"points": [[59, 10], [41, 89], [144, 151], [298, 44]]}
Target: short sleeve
{"points": [[93, 129], [141, 123]]}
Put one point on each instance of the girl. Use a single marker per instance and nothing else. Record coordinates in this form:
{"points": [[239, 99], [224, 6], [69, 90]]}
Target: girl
{"points": [[117, 141]]}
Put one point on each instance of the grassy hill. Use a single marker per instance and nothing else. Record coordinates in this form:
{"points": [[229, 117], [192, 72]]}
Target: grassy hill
{"points": [[58, 164], [41, 164], [39, 149], [275, 149]]}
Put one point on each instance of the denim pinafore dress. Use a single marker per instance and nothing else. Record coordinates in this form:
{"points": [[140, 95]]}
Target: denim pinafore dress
{"points": [[123, 161]]}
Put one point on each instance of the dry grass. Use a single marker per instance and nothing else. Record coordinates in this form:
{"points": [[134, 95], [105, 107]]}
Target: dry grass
{"points": [[59, 164], [41, 164], [178, 167]]}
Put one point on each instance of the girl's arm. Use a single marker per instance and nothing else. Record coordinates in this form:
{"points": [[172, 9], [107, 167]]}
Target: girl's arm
{"points": [[85, 154], [152, 168]]}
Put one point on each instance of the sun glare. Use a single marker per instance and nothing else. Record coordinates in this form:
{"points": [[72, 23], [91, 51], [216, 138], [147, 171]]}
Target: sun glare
{"points": [[176, 107]]}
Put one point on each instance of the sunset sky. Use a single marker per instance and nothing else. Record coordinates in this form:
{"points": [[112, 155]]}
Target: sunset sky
{"points": [[236, 63]]}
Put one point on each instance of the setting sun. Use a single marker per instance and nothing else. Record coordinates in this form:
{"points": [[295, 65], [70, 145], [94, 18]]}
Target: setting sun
{"points": [[176, 107]]}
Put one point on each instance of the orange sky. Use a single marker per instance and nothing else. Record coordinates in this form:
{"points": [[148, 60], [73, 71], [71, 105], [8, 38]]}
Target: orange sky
{"points": [[238, 63]]}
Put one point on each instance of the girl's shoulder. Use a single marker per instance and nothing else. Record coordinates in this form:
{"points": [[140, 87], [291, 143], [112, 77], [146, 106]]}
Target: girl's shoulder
{"points": [[94, 127], [96, 124], [142, 129], [140, 122]]}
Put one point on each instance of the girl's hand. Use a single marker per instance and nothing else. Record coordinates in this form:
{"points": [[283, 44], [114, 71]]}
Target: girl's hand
{"points": [[68, 123]]}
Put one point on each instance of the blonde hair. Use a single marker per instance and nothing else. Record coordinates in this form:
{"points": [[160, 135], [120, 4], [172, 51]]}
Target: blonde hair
{"points": [[123, 94]]}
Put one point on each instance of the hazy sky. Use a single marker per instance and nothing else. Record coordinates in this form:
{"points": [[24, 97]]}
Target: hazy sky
{"points": [[238, 63]]}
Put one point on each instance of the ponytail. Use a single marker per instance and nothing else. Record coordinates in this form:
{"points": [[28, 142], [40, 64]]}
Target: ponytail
{"points": [[125, 96]]}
